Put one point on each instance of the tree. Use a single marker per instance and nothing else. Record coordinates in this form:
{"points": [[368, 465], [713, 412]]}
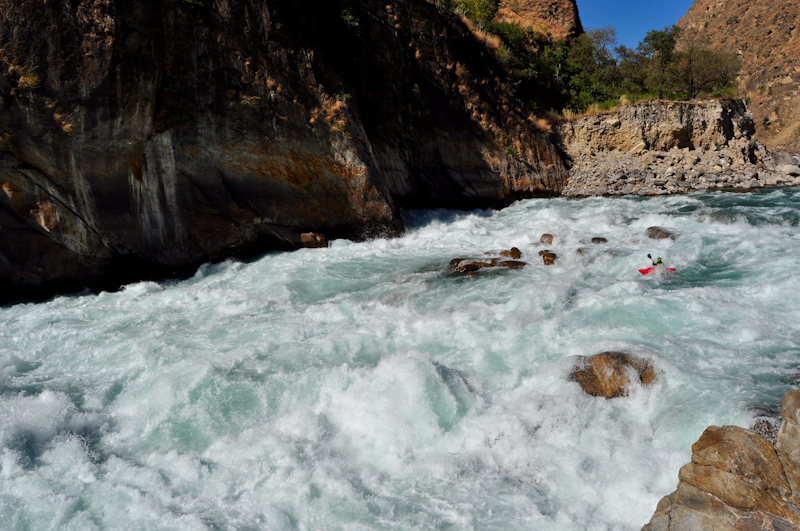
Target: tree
{"points": [[478, 11], [659, 47], [697, 68]]}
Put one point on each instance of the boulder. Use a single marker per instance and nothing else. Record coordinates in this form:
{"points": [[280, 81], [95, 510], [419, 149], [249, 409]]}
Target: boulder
{"points": [[789, 434], [466, 266], [313, 240], [514, 264], [789, 169], [736, 481], [609, 374], [546, 239], [549, 258], [599, 240], [513, 253], [657, 233]]}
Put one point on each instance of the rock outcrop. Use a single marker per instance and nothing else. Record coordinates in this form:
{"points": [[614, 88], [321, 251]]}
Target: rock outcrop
{"points": [[659, 125], [738, 480], [667, 147], [141, 139], [765, 36]]}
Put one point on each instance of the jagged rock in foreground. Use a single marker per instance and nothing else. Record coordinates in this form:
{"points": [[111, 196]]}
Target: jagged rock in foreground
{"points": [[667, 147], [737, 481], [141, 139]]}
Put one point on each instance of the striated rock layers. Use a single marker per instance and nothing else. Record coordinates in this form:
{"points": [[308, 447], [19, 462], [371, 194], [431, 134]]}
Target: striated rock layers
{"points": [[658, 125], [144, 138], [738, 481], [665, 147], [766, 35]]}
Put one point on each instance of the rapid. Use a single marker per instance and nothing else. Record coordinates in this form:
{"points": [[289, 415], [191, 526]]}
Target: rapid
{"points": [[364, 386]]}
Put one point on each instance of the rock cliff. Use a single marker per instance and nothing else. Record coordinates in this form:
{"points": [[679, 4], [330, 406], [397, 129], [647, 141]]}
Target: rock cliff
{"points": [[141, 139], [766, 35], [665, 147]]}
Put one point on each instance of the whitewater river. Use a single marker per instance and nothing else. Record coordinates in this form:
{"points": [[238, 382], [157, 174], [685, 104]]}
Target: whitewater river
{"points": [[364, 386]]}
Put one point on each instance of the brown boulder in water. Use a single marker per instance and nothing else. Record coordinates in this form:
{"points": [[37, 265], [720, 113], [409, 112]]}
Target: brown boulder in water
{"points": [[313, 240], [512, 264], [657, 233], [549, 258], [599, 240], [546, 239], [466, 266], [607, 374], [513, 253]]}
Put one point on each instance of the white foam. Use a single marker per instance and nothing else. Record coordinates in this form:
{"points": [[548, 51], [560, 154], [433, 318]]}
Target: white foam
{"points": [[364, 386]]}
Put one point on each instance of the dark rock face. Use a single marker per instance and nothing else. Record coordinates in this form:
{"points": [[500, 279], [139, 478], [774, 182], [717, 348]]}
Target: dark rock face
{"points": [[141, 139]]}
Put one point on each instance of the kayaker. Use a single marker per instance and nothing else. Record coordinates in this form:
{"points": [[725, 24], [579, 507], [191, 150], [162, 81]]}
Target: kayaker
{"points": [[658, 262]]}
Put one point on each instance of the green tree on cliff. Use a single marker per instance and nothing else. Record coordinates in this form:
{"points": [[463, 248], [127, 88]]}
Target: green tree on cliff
{"points": [[658, 47], [698, 69]]}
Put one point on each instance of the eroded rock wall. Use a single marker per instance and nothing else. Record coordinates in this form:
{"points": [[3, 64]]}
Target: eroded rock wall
{"points": [[144, 138], [659, 125]]}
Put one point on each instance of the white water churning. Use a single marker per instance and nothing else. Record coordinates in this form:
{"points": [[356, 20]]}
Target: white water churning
{"points": [[365, 386]]}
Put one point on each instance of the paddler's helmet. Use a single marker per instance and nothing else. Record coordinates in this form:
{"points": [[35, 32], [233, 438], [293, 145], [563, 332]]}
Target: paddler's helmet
{"points": [[658, 261]]}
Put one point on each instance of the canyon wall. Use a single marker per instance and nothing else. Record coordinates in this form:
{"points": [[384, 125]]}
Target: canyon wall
{"points": [[141, 139], [766, 35]]}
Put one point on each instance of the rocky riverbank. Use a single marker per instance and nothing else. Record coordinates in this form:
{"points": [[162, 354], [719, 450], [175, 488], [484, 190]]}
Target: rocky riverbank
{"points": [[660, 148]]}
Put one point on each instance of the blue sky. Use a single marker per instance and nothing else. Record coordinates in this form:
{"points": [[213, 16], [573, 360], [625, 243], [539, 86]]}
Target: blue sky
{"points": [[631, 18]]}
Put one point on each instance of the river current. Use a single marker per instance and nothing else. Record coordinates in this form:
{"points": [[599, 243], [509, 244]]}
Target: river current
{"points": [[365, 386]]}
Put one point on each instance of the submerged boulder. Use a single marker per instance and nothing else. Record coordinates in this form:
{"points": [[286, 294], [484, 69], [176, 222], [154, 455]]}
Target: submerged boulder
{"points": [[599, 240], [546, 239], [609, 374], [657, 233], [514, 264]]}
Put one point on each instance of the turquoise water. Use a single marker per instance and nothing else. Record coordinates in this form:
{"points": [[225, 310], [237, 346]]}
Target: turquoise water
{"points": [[364, 386]]}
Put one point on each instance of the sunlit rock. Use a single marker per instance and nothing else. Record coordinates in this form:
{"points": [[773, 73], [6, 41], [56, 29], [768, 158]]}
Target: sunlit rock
{"points": [[609, 374]]}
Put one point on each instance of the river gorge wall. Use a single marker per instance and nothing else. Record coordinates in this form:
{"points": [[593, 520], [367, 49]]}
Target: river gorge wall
{"points": [[141, 139]]}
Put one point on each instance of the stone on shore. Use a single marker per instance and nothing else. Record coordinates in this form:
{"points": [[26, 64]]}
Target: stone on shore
{"points": [[609, 374]]}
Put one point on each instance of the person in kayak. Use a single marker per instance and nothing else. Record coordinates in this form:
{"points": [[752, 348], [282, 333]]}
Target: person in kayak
{"points": [[658, 262]]}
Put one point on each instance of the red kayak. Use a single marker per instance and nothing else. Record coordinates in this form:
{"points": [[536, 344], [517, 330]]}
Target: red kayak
{"points": [[653, 270]]}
